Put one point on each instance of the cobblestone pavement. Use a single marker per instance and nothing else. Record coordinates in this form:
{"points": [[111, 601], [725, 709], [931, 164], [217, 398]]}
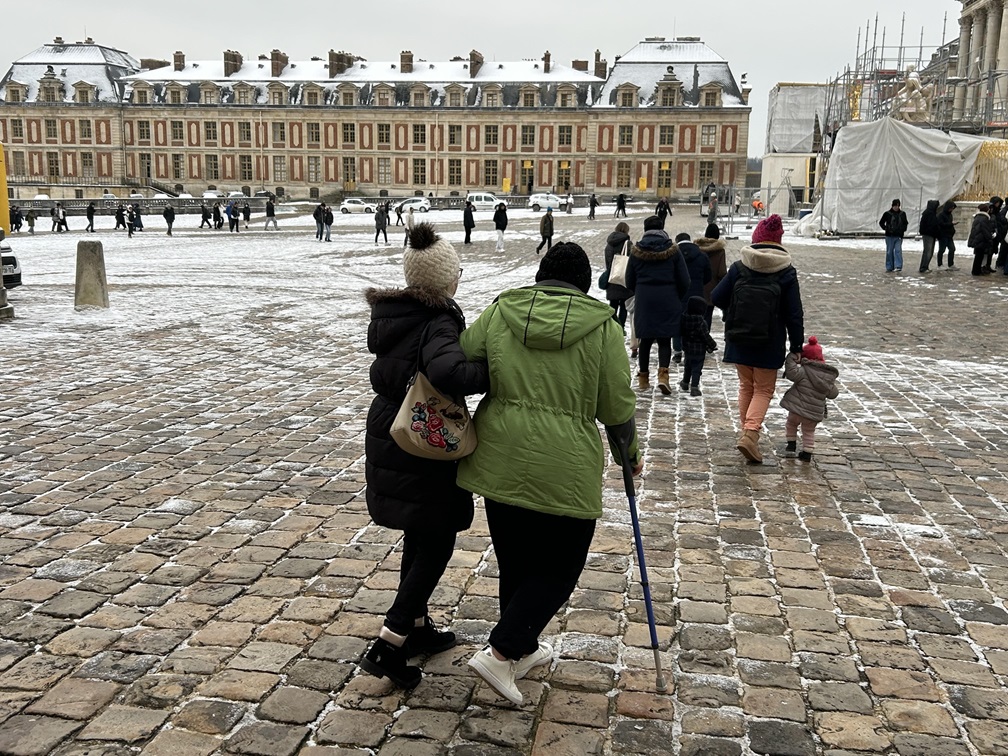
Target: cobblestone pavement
{"points": [[187, 564]]}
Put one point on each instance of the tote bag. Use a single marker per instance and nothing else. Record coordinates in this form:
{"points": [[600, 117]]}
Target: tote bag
{"points": [[430, 424], [617, 271]]}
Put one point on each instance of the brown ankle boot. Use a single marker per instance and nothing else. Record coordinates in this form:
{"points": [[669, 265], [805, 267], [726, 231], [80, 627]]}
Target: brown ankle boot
{"points": [[642, 381], [748, 444], [663, 381]]}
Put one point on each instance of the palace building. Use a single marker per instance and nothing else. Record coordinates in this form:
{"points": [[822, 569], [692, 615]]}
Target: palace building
{"points": [[666, 118]]}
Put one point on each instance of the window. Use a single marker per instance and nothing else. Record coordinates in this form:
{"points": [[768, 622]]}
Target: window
{"points": [[210, 131], [564, 174], [492, 101], [13, 94], [528, 99], [52, 164], [666, 136], [383, 98], [313, 133], [178, 166], [87, 164], [349, 132], [242, 96], [566, 99], [245, 167], [419, 133], [491, 135], [665, 175], [84, 96], [175, 97], [419, 172], [565, 135], [314, 169], [177, 131], [490, 173], [143, 130], [384, 133], [49, 95], [276, 98], [384, 171], [455, 100], [454, 134], [527, 178], [705, 172], [627, 99], [668, 97], [244, 131], [528, 136], [710, 100], [708, 136], [50, 128], [623, 168], [454, 172], [142, 98], [84, 128], [349, 169], [19, 164], [208, 97], [279, 168], [17, 128], [626, 136], [279, 131], [212, 167], [419, 99], [347, 99], [311, 97]]}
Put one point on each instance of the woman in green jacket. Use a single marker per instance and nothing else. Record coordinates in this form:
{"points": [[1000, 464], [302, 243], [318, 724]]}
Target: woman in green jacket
{"points": [[557, 367]]}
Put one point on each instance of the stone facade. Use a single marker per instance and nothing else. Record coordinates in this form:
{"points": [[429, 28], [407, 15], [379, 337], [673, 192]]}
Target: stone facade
{"points": [[982, 89]]}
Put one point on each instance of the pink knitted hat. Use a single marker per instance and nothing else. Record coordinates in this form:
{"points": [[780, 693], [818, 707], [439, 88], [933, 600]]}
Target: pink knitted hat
{"points": [[768, 230], [812, 350]]}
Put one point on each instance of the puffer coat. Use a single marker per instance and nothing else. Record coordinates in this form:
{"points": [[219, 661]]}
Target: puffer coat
{"points": [[658, 277], [814, 383]]}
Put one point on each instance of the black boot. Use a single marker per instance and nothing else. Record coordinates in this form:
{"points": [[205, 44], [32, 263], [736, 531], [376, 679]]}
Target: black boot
{"points": [[684, 385], [695, 391], [791, 450], [805, 456], [428, 640], [385, 660]]}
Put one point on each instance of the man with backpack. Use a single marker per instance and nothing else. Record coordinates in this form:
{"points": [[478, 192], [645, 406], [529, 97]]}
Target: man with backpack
{"points": [[762, 306], [894, 224]]}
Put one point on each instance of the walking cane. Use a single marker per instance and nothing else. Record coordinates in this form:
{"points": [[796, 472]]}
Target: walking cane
{"points": [[622, 442]]}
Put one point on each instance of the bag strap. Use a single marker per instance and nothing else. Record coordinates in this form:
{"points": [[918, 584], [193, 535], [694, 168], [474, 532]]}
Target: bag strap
{"points": [[625, 252], [420, 346]]}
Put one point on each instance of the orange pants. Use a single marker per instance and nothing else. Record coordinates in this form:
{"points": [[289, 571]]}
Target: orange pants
{"points": [[755, 390]]}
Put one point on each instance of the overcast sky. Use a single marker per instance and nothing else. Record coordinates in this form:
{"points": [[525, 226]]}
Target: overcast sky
{"points": [[771, 41]]}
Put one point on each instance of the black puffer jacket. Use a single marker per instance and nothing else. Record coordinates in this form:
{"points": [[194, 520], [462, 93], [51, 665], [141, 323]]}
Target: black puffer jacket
{"points": [[404, 491], [613, 247], [929, 220]]}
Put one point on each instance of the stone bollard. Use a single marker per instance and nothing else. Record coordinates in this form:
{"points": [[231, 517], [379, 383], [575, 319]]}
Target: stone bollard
{"points": [[91, 288]]}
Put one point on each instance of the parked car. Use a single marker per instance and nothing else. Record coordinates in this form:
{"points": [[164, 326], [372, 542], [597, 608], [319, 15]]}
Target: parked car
{"points": [[482, 200], [185, 195], [109, 196], [136, 195], [237, 195], [541, 201], [41, 196], [262, 193], [11, 266], [213, 194], [419, 205], [356, 205]]}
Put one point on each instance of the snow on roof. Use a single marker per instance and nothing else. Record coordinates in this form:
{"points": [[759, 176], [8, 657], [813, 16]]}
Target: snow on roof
{"points": [[680, 50], [82, 62]]}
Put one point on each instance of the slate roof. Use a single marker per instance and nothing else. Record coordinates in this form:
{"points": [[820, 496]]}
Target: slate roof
{"points": [[102, 67]]}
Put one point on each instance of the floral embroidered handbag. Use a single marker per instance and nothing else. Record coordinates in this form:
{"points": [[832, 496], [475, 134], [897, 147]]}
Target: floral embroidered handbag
{"points": [[430, 424]]}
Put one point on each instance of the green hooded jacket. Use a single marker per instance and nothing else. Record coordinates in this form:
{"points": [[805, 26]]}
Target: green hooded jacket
{"points": [[557, 365]]}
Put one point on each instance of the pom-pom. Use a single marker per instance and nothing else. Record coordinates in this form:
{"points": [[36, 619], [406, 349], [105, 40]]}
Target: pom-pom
{"points": [[423, 236]]}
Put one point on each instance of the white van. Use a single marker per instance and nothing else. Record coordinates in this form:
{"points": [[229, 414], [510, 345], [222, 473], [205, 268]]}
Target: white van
{"points": [[483, 201]]}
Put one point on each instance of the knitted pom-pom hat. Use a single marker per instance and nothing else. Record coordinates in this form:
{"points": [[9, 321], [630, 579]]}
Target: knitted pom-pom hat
{"points": [[812, 350], [768, 230], [566, 261], [430, 262]]}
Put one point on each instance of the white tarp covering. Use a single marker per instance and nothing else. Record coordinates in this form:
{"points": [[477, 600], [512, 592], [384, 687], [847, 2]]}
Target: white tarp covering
{"points": [[874, 163], [791, 117]]}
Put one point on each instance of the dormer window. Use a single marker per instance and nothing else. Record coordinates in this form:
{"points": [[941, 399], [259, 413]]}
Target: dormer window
{"points": [[419, 99], [209, 95], [384, 98], [242, 96], [48, 93], [491, 98], [670, 96], [277, 96], [175, 96], [347, 99], [710, 96], [82, 94], [566, 97], [528, 97], [455, 99], [15, 93], [141, 97], [627, 98], [311, 97]]}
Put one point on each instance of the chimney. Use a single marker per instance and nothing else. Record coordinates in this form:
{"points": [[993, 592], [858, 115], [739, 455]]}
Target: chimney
{"points": [[580, 65], [88, 41], [178, 62], [278, 62], [406, 62], [232, 62], [58, 41], [475, 63], [600, 66], [546, 62], [333, 64]]}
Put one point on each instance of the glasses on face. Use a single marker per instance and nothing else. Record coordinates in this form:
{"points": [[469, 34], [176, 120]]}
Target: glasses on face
{"points": [[460, 272]]}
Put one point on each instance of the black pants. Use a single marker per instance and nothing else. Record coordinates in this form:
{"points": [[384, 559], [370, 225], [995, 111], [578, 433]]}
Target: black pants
{"points": [[547, 241], [978, 261], [425, 554], [540, 558], [664, 352], [205, 221], [1002, 255], [90, 225], [468, 233], [380, 231], [943, 244], [619, 311], [709, 316], [692, 368]]}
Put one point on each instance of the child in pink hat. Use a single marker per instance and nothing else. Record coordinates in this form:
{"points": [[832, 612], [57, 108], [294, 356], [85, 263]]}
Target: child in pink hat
{"points": [[814, 383]]}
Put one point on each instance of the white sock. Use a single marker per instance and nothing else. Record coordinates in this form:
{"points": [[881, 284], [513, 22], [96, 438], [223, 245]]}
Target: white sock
{"points": [[394, 638]]}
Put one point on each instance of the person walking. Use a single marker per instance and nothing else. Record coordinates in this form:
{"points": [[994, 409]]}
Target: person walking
{"points": [[468, 222], [319, 216], [946, 234], [696, 342], [137, 217], [570, 203], [205, 216], [327, 221], [592, 204], [398, 215], [894, 223], [928, 229], [90, 213], [557, 367], [663, 210], [712, 245], [814, 382], [617, 243], [1001, 246], [981, 239], [169, 216], [712, 208], [1000, 230], [120, 217], [218, 217], [762, 304], [699, 268], [419, 497], [620, 206], [55, 219], [270, 215], [130, 220], [234, 217], [546, 230], [381, 223], [408, 226], [658, 277], [30, 220], [500, 220], [246, 212]]}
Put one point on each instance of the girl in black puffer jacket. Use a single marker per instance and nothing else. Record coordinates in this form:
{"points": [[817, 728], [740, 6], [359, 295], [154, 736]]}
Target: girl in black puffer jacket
{"points": [[404, 492]]}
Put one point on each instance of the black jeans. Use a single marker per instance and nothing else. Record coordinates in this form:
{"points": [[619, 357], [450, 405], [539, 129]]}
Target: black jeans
{"points": [[619, 311], [943, 244], [540, 558], [692, 368], [468, 234], [425, 554], [547, 241], [380, 231], [664, 353]]}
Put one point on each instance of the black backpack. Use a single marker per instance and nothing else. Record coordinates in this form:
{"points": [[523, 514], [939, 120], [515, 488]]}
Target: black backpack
{"points": [[754, 310], [894, 224]]}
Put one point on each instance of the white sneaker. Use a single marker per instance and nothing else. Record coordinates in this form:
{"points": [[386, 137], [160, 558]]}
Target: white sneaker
{"points": [[499, 674], [542, 655]]}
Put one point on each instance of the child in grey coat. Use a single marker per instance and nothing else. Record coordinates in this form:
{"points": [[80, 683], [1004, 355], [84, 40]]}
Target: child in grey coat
{"points": [[814, 383]]}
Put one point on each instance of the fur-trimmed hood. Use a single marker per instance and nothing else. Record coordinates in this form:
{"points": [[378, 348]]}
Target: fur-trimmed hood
{"points": [[710, 245], [654, 246], [434, 300], [765, 257]]}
